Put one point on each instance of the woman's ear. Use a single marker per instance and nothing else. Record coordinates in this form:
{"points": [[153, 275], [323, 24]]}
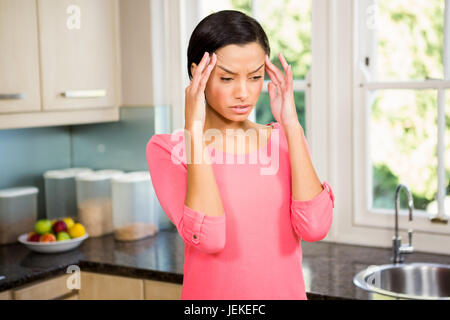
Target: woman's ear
{"points": [[193, 68]]}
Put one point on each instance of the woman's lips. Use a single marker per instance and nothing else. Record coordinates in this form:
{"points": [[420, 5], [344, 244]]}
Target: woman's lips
{"points": [[241, 109]]}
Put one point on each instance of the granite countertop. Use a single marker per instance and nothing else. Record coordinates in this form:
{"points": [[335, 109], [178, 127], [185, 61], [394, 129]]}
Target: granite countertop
{"points": [[328, 268]]}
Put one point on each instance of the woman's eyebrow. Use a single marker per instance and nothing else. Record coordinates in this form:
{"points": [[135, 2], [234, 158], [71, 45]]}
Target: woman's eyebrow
{"points": [[235, 72]]}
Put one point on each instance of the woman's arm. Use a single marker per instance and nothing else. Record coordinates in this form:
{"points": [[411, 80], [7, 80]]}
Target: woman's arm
{"points": [[312, 203], [305, 183], [206, 233], [202, 191]]}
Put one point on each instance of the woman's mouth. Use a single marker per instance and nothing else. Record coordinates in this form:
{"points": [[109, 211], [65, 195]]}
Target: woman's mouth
{"points": [[241, 109]]}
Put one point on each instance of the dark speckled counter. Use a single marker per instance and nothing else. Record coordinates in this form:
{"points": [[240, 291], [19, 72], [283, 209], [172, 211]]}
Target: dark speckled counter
{"points": [[328, 268]]}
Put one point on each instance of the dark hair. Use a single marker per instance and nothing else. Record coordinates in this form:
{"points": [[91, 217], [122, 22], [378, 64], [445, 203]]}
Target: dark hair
{"points": [[220, 29]]}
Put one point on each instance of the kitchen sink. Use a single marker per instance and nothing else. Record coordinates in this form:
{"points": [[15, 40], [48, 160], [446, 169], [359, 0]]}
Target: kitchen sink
{"points": [[406, 281]]}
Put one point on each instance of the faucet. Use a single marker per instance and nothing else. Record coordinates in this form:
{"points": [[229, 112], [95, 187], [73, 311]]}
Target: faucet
{"points": [[397, 248]]}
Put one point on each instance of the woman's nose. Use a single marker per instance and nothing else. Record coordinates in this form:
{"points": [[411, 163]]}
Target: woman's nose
{"points": [[241, 90]]}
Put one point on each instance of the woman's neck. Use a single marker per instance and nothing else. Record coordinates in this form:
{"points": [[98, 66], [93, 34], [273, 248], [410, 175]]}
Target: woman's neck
{"points": [[214, 120]]}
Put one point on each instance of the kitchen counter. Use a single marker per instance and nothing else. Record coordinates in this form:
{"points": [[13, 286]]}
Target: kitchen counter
{"points": [[328, 268]]}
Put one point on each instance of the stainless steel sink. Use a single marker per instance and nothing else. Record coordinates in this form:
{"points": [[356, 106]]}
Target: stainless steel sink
{"points": [[406, 281]]}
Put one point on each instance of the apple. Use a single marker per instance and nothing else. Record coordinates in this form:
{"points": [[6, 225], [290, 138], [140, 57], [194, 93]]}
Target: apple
{"points": [[62, 235], [33, 236], [43, 226], [59, 226], [48, 237]]}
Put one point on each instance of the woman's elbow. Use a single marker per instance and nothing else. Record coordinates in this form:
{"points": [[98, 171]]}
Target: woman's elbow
{"points": [[319, 231]]}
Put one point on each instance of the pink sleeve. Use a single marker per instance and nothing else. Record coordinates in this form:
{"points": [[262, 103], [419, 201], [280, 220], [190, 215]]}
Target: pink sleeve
{"points": [[311, 219], [206, 233]]}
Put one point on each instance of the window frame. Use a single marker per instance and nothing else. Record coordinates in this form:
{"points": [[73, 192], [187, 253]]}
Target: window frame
{"points": [[363, 215]]}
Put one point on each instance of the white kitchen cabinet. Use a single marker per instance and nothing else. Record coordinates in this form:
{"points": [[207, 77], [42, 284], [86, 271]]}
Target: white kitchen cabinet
{"points": [[97, 286], [78, 54], [19, 60], [159, 290], [53, 288], [59, 62], [6, 295]]}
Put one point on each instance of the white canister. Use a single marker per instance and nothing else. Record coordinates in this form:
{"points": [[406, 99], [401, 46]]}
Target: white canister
{"points": [[18, 212], [60, 192], [94, 201], [133, 199]]}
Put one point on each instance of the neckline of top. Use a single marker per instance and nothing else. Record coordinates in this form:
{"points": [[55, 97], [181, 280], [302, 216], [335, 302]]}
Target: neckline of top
{"points": [[266, 145]]}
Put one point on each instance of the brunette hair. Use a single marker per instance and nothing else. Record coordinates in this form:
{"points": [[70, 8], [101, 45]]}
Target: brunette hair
{"points": [[220, 29]]}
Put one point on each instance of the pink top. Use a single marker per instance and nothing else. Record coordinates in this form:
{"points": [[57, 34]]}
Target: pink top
{"points": [[253, 251]]}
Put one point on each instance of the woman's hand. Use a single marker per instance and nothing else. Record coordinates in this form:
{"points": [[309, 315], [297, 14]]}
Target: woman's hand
{"points": [[281, 93], [195, 92]]}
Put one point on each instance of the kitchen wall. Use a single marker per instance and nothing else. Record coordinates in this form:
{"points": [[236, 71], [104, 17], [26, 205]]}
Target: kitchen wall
{"points": [[25, 154]]}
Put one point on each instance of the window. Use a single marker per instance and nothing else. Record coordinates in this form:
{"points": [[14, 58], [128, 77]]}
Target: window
{"points": [[402, 114], [288, 27]]}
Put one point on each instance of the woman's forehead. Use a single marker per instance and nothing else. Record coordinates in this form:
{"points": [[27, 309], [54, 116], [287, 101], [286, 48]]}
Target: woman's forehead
{"points": [[237, 58], [225, 69]]}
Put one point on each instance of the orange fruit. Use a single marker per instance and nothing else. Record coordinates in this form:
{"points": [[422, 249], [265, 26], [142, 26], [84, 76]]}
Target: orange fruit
{"points": [[48, 237]]}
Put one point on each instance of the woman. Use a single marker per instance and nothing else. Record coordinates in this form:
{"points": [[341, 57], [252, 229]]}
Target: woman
{"points": [[241, 226]]}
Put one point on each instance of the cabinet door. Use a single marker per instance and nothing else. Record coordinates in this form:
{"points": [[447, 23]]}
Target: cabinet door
{"points": [[78, 53], [6, 295], [97, 286], [44, 290], [158, 290], [19, 63]]}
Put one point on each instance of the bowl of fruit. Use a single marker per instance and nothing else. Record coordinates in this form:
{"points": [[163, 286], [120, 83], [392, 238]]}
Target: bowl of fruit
{"points": [[57, 235]]}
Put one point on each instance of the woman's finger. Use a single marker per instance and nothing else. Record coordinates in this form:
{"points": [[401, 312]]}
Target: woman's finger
{"points": [[290, 80], [283, 62], [206, 74], [271, 74], [288, 72], [278, 74], [199, 70], [272, 90]]}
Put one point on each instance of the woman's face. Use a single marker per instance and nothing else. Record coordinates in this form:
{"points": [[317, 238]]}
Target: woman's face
{"points": [[236, 79]]}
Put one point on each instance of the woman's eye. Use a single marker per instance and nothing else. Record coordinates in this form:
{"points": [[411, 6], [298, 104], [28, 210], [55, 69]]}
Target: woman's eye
{"points": [[228, 79]]}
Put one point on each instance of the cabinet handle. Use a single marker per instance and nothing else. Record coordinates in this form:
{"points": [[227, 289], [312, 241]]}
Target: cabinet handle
{"points": [[84, 93], [12, 96]]}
